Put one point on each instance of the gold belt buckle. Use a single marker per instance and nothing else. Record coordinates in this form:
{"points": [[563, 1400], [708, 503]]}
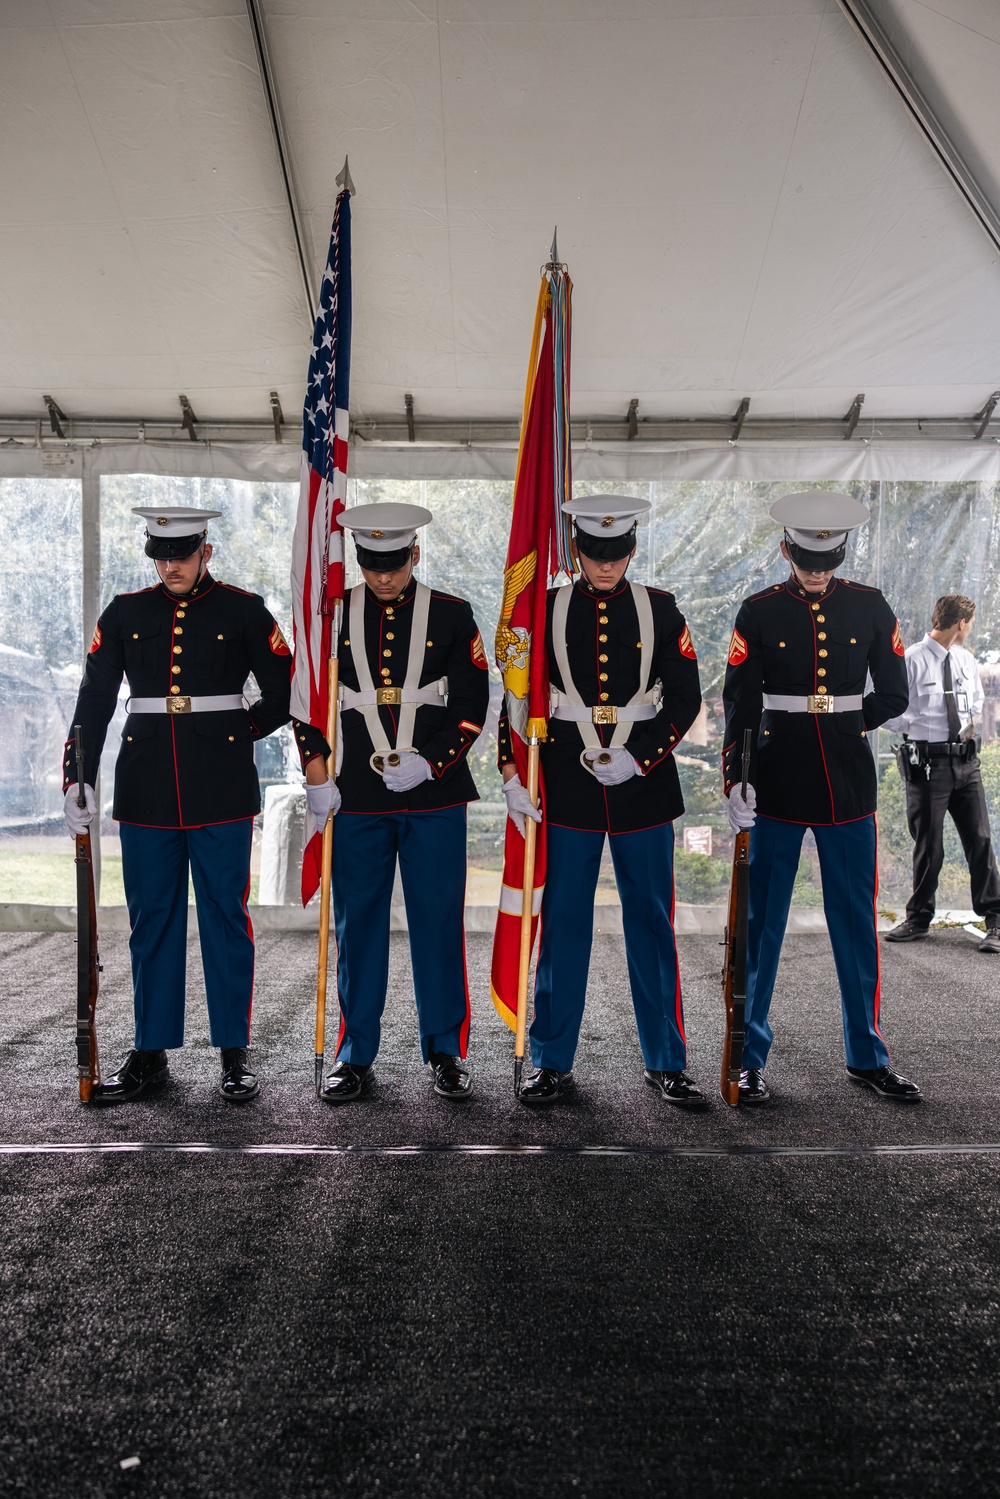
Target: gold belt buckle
{"points": [[178, 705], [604, 714], [388, 696], [817, 704]]}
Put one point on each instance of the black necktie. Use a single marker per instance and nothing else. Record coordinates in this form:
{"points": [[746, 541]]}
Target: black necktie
{"points": [[954, 722]]}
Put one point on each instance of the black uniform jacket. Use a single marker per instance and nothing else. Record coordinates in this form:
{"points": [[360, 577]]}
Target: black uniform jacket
{"points": [[186, 769], [443, 734], [812, 767], [602, 642]]}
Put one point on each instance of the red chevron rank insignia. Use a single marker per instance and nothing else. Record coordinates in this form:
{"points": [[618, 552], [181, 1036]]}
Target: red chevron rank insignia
{"points": [[95, 644], [897, 641], [686, 645], [737, 649], [479, 653], [278, 643]]}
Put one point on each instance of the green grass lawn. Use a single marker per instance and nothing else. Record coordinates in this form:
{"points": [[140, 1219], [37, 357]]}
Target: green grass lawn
{"points": [[43, 877]]}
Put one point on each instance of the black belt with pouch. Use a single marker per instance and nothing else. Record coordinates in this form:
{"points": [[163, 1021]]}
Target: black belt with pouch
{"points": [[914, 755]]}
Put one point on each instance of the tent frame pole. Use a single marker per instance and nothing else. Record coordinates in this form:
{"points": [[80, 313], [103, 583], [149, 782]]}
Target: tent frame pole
{"points": [[257, 27], [867, 25]]}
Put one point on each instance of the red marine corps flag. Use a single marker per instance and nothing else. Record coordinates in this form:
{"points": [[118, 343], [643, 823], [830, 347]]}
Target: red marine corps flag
{"points": [[538, 549], [318, 555]]}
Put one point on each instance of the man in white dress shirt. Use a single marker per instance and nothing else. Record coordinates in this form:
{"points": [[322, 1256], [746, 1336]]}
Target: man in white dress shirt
{"points": [[940, 764]]}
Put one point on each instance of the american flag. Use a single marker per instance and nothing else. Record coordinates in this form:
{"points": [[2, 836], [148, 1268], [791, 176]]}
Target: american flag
{"points": [[318, 543]]}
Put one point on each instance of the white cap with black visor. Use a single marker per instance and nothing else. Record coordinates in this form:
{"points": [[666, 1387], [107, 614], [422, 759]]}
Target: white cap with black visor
{"points": [[817, 524], [385, 533], [174, 531], [605, 524]]}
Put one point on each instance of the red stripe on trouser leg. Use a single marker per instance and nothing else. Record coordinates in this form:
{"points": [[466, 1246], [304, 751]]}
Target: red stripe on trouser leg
{"points": [[679, 1006], [878, 950], [253, 970], [463, 1048]]}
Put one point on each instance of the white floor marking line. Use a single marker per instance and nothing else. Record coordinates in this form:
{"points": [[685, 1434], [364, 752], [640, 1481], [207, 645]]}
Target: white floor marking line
{"points": [[700, 1152]]}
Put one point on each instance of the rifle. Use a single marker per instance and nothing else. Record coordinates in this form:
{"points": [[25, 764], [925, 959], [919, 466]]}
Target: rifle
{"points": [[87, 964], [734, 969]]}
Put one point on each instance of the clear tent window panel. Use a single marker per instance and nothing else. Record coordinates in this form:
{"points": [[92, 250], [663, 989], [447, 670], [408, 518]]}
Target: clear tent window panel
{"points": [[41, 652], [252, 549], [711, 542], [463, 552]]}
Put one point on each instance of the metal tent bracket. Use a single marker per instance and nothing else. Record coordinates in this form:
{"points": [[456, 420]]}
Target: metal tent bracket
{"points": [[852, 417], [56, 417], [276, 415], [983, 417], [188, 418]]}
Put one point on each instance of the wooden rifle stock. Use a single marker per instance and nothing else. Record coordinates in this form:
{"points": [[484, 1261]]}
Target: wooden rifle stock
{"points": [[88, 966], [734, 971]]}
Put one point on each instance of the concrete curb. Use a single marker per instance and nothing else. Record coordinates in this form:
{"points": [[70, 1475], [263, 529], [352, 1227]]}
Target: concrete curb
{"points": [[689, 920]]}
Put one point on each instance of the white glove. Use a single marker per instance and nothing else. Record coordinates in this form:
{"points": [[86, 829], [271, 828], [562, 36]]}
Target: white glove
{"points": [[411, 770], [519, 804], [323, 801], [621, 767], [78, 819], [741, 813]]}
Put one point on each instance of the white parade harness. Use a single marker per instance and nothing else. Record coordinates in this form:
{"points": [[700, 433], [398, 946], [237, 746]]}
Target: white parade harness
{"points": [[567, 703], [368, 698]]}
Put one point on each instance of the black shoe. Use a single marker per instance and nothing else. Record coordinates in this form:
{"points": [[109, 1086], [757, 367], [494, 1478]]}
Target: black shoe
{"points": [[344, 1083], [886, 1083], [545, 1086], [991, 942], [139, 1071], [753, 1087], [451, 1077], [907, 931], [238, 1082], [676, 1087]]}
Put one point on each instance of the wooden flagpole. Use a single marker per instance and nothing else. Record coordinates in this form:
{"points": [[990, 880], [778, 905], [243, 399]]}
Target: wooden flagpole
{"points": [[527, 903], [326, 875]]}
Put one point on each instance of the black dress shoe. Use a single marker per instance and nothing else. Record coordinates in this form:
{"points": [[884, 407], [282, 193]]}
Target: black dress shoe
{"points": [[139, 1071], [545, 1086], [344, 1083], [451, 1078], [907, 931], [886, 1083], [676, 1087], [238, 1082], [991, 942], [753, 1087]]}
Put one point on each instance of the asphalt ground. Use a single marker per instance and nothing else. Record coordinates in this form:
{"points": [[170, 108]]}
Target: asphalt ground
{"points": [[795, 1300]]}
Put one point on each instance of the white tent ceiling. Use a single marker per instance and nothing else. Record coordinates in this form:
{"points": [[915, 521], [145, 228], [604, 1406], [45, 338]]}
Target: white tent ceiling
{"points": [[745, 207]]}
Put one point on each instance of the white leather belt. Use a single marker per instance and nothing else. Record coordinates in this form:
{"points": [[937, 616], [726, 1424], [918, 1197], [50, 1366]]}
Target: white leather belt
{"points": [[569, 704], [435, 694], [814, 703], [224, 703], [605, 713]]}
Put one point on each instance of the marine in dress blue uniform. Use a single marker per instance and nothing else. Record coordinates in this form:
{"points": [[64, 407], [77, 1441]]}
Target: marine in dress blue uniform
{"points": [[799, 659], [625, 690], [186, 789], [414, 692]]}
